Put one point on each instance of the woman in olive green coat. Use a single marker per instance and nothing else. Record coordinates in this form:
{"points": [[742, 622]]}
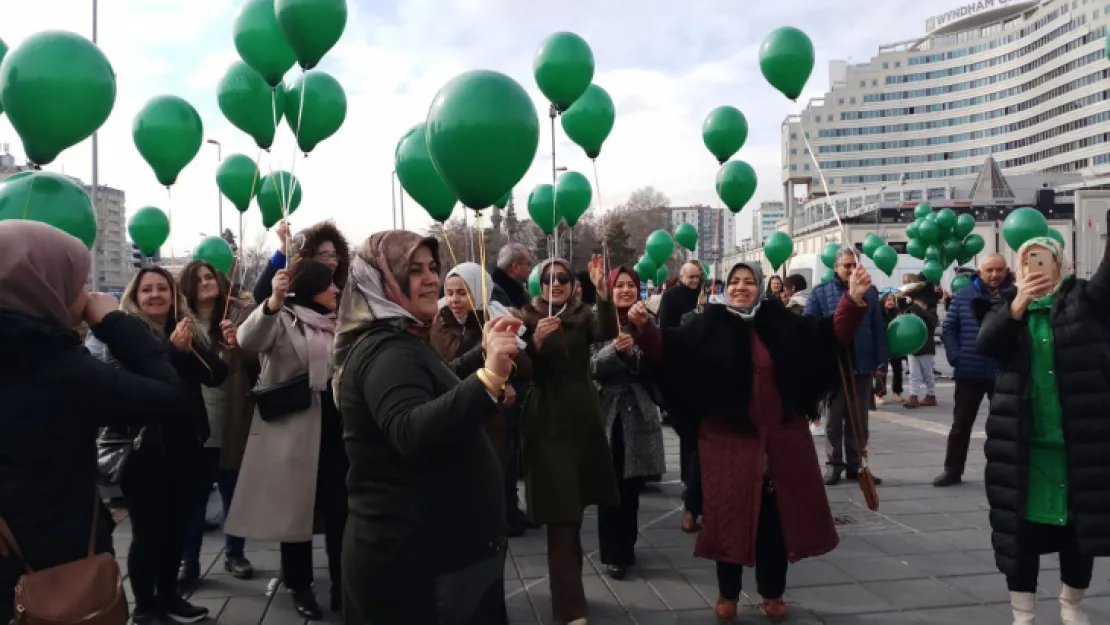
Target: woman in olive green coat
{"points": [[567, 463]]}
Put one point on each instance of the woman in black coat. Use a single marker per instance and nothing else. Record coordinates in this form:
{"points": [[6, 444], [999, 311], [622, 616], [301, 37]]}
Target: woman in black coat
{"points": [[164, 474], [1049, 419], [56, 396]]}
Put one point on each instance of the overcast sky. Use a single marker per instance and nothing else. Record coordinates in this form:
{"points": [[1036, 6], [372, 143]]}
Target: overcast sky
{"points": [[665, 62]]}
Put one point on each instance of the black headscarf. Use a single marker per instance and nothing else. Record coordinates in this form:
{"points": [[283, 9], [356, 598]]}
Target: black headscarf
{"points": [[309, 279]]}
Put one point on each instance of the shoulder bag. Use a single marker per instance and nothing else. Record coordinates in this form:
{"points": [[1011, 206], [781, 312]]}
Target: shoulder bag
{"points": [[283, 399], [114, 453]]}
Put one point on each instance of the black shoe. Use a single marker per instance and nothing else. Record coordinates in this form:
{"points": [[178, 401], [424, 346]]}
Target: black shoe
{"points": [[304, 602], [947, 478], [239, 567], [182, 611], [188, 575], [210, 526], [149, 617], [336, 599], [832, 476], [514, 528], [853, 475], [616, 571]]}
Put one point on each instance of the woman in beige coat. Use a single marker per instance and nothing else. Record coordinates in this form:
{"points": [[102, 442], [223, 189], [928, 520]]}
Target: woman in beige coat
{"points": [[294, 466]]}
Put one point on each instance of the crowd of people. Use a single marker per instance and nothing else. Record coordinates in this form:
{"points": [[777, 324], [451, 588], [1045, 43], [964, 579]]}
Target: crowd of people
{"points": [[392, 404]]}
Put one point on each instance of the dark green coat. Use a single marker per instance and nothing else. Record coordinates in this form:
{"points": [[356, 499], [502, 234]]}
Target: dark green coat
{"points": [[567, 462]]}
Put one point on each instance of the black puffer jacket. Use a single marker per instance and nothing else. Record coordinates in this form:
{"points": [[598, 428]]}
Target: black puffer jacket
{"points": [[1082, 336], [55, 396]]}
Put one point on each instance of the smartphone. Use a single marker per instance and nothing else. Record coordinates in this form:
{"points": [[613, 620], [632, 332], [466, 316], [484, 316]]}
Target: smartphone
{"points": [[1037, 262]]}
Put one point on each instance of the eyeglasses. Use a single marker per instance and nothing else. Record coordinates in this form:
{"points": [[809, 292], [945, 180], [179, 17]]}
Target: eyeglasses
{"points": [[326, 256], [561, 278], [848, 265]]}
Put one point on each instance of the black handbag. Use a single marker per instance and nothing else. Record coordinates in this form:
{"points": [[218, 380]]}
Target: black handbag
{"points": [[279, 400], [113, 456]]}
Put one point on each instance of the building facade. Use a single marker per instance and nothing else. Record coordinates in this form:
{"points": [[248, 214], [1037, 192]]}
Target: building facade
{"points": [[765, 220], [716, 230], [1024, 82]]}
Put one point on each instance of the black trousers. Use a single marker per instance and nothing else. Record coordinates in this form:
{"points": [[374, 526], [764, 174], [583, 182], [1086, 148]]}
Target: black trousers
{"points": [[512, 473], [160, 486], [965, 407], [1075, 570], [840, 442], [331, 505], [896, 365], [693, 486], [687, 447], [770, 556], [618, 526]]}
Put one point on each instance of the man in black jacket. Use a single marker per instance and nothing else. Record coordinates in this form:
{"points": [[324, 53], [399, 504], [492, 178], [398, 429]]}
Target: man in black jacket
{"points": [[514, 263]]}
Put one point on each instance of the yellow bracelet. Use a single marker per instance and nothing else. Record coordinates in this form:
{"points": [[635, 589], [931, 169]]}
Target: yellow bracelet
{"points": [[495, 376], [490, 386]]}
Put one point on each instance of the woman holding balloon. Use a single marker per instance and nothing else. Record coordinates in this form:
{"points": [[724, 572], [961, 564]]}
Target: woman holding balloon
{"points": [[323, 243]]}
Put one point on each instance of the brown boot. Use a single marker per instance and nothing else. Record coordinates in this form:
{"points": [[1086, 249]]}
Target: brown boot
{"points": [[726, 609], [911, 402], [690, 523], [929, 401], [774, 609]]}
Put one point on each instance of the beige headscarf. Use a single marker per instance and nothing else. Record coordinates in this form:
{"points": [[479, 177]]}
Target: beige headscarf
{"points": [[375, 291], [1053, 247], [42, 270]]}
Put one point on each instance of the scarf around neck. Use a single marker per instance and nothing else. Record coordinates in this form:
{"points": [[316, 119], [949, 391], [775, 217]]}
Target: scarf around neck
{"points": [[319, 332], [747, 312]]}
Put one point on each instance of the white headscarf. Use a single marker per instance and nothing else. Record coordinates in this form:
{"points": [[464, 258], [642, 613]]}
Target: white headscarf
{"points": [[472, 274]]}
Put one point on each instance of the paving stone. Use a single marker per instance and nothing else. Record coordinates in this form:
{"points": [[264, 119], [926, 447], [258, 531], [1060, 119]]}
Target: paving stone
{"points": [[244, 610], [970, 539], [947, 564], [929, 522], [912, 594], [965, 615], [634, 594], [674, 590], [874, 569], [907, 544], [849, 599], [884, 618], [988, 588]]}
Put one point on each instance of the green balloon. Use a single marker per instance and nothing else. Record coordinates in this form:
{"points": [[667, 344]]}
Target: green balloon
{"points": [[973, 244], [911, 230], [786, 59], [686, 235], [946, 219], [168, 134], [828, 255], [646, 269], [572, 196], [885, 258], [504, 201], [216, 252], [325, 108], [312, 27], [705, 269], [57, 89], [778, 248], [250, 104], [922, 211], [534, 286], [952, 248], [1023, 224], [541, 208], [959, 283], [260, 42], [51, 199], [933, 271], [736, 184], [661, 275], [3, 53], [827, 276], [928, 231], [872, 243], [238, 179], [274, 193], [933, 252], [483, 132], [419, 177], [589, 120], [916, 248], [724, 132], [149, 228], [564, 67], [1056, 234], [965, 223], [659, 247], [906, 335]]}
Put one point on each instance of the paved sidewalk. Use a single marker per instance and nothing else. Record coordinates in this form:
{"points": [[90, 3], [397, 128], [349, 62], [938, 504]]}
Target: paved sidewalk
{"points": [[924, 558]]}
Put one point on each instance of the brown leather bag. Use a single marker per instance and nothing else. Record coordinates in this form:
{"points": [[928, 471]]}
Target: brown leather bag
{"points": [[87, 591]]}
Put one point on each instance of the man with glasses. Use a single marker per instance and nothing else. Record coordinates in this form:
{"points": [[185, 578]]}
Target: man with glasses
{"points": [[869, 358]]}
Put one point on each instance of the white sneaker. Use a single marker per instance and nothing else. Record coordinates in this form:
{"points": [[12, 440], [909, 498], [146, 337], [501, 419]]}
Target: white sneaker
{"points": [[1071, 608], [1024, 605], [817, 429], [879, 401]]}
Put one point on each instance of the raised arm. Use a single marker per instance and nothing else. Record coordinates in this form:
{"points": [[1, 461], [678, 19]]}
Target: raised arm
{"points": [[878, 327], [847, 319], [262, 286], [399, 392]]}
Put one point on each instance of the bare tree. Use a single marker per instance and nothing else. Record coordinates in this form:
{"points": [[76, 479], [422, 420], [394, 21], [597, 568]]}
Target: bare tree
{"points": [[253, 261], [646, 198]]}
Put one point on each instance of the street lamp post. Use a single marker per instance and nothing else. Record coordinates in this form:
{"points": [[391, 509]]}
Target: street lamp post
{"points": [[95, 183], [220, 159], [397, 190]]}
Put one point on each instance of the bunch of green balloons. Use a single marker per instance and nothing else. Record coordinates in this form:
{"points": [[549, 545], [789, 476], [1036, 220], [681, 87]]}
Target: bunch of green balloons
{"points": [[884, 256], [942, 238]]}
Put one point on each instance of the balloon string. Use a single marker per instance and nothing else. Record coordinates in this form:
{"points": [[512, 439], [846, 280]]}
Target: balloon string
{"points": [[550, 273], [455, 262], [482, 262], [554, 209], [828, 196], [31, 192], [297, 138], [227, 304], [606, 262], [254, 182], [173, 254]]}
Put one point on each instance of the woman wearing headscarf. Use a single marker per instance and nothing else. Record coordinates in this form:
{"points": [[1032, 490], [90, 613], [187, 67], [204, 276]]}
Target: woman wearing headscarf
{"points": [[56, 395], [1048, 433], [763, 497], [164, 473], [323, 243], [229, 413], [631, 421], [567, 464], [294, 465], [425, 541], [457, 333]]}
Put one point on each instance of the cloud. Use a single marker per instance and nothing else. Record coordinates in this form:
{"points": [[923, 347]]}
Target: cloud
{"points": [[666, 65]]}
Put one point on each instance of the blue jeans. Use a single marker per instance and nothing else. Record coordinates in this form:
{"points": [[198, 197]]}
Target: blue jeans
{"points": [[225, 482]]}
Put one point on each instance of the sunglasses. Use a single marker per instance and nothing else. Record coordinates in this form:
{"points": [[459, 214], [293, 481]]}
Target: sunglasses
{"points": [[848, 265], [561, 278]]}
